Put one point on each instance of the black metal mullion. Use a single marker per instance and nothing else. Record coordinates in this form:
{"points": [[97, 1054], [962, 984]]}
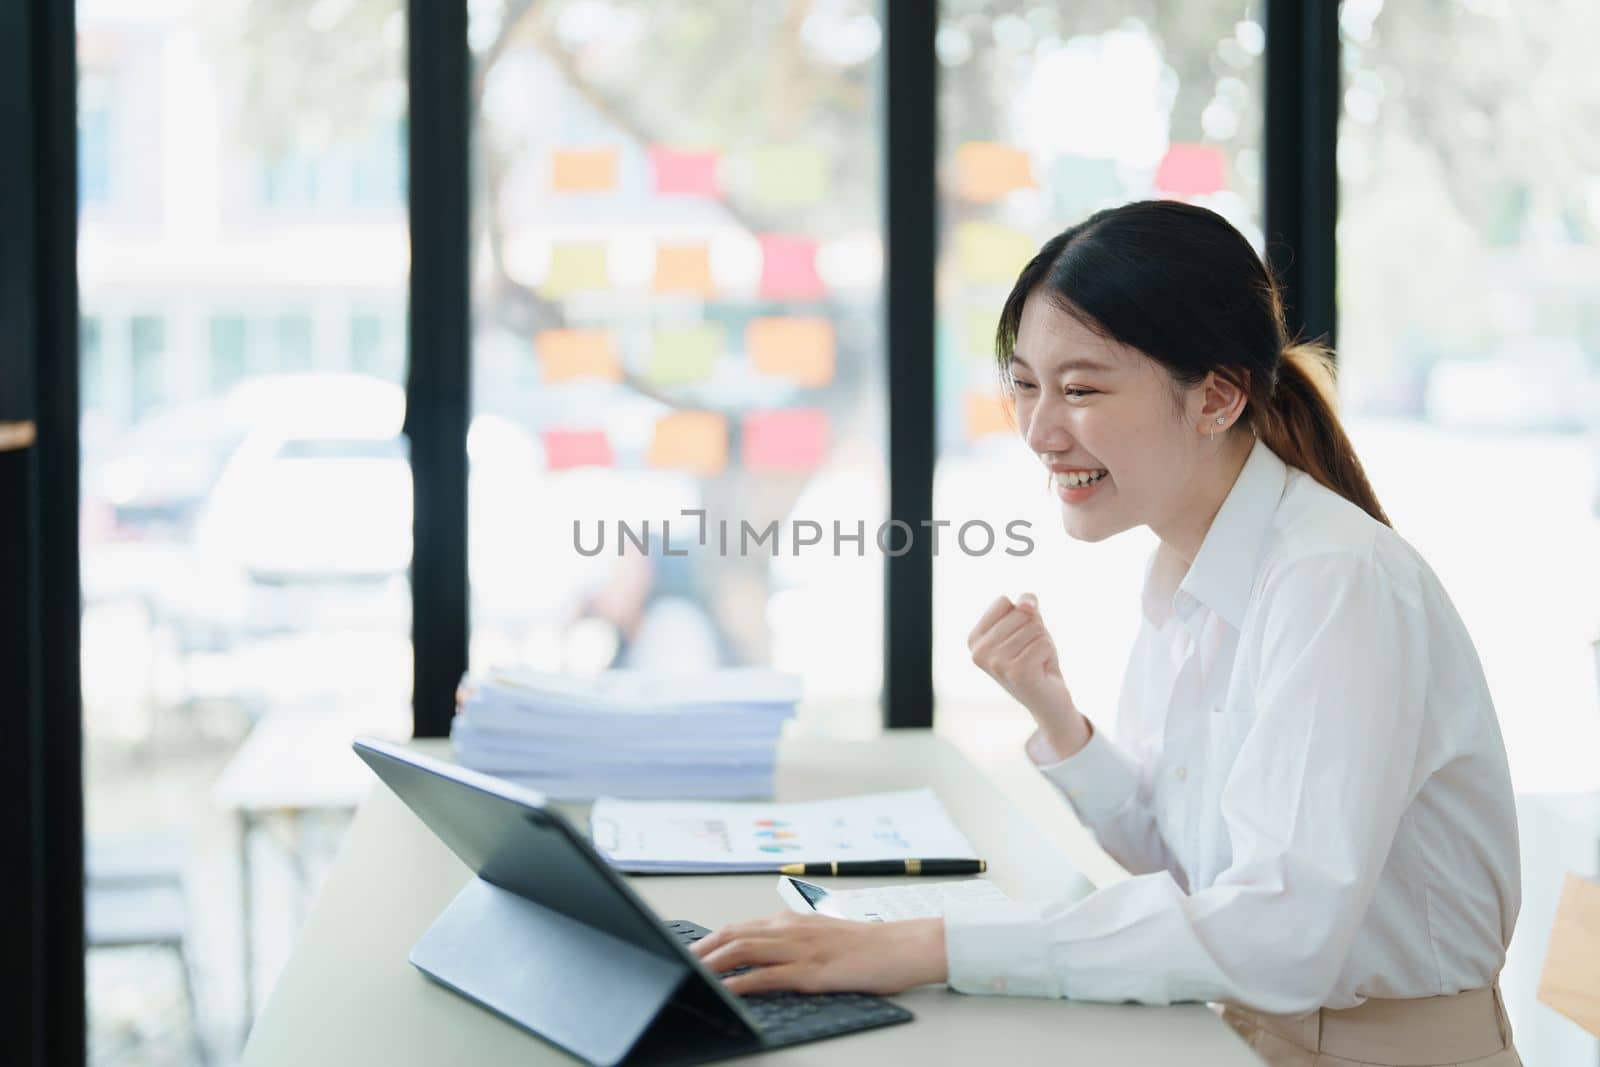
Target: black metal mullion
{"points": [[910, 206], [439, 373], [1302, 131], [41, 782]]}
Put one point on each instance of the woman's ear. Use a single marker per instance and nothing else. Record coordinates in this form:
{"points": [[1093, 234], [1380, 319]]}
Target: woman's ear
{"points": [[1220, 396]]}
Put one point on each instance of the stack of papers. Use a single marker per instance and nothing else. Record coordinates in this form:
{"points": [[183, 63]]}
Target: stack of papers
{"points": [[687, 838], [627, 733]]}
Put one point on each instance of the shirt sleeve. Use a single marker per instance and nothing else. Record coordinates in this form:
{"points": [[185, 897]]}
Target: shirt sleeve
{"points": [[1311, 806], [1110, 796]]}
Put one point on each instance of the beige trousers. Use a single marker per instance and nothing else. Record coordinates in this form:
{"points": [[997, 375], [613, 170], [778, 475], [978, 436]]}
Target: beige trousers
{"points": [[1467, 1028]]}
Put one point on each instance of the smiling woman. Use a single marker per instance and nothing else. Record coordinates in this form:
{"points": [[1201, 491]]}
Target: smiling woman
{"points": [[1256, 785]]}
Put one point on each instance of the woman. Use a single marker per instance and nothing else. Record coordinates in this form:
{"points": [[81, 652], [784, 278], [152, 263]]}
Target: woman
{"points": [[1308, 781]]}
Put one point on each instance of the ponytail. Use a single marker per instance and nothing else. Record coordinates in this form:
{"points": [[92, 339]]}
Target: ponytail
{"points": [[1300, 422]]}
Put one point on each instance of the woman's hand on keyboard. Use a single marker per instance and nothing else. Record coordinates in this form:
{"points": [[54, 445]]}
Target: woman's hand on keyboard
{"points": [[821, 954]]}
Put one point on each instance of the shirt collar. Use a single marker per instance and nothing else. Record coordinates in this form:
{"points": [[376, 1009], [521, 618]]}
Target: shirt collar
{"points": [[1224, 569]]}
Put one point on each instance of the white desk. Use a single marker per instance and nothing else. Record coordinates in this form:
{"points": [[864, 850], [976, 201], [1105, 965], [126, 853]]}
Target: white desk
{"points": [[348, 995]]}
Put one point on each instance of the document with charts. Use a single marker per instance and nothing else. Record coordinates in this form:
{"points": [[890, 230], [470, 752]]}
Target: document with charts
{"points": [[688, 837]]}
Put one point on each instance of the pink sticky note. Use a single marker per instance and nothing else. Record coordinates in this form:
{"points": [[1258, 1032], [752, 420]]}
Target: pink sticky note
{"points": [[789, 268], [1192, 170], [786, 441], [680, 173], [565, 449]]}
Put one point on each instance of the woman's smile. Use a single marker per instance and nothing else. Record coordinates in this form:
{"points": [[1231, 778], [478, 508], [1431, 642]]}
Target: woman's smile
{"points": [[1077, 485]]}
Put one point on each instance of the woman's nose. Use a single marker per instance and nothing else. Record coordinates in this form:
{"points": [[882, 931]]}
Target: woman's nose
{"points": [[1043, 430]]}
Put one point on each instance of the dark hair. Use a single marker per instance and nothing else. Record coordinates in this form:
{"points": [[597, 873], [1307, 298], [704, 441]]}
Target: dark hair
{"points": [[1181, 285]]}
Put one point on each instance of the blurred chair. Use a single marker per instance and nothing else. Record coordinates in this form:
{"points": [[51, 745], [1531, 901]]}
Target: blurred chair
{"points": [[134, 898]]}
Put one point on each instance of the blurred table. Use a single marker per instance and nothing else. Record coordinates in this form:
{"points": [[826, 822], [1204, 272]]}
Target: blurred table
{"points": [[293, 765]]}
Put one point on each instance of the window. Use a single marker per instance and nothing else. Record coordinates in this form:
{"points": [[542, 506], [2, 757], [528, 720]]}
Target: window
{"points": [[1175, 112], [1469, 338], [147, 344], [678, 310], [246, 534], [230, 355], [292, 334]]}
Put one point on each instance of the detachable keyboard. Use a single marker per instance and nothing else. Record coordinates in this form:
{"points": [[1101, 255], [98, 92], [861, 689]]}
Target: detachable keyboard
{"points": [[791, 1018]]}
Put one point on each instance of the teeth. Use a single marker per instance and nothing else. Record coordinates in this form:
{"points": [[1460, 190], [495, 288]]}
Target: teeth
{"points": [[1075, 479]]}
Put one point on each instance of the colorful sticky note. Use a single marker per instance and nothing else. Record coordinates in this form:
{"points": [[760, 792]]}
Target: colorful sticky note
{"points": [[683, 173], [987, 413], [1192, 170], [565, 449], [785, 441], [800, 349], [986, 252], [693, 441], [787, 175], [568, 354], [576, 267], [684, 354], [583, 170], [986, 171], [981, 327], [684, 269], [789, 268]]}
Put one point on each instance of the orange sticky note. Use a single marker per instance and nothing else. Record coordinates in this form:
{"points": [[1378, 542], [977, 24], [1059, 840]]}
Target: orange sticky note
{"points": [[583, 170], [987, 413], [574, 268], [694, 441], [1192, 170], [986, 252], [568, 354], [785, 442], [800, 349], [683, 269], [986, 171]]}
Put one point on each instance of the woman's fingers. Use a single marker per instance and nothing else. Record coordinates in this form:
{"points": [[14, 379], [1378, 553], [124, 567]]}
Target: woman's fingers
{"points": [[732, 932], [751, 950], [1019, 651], [788, 976], [983, 654], [996, 611]]}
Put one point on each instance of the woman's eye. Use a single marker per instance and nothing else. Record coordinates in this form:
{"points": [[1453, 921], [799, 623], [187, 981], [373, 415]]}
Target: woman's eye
{"points": [[1075, 393], [1024, 387]]}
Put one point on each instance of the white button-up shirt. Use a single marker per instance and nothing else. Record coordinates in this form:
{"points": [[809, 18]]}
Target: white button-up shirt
{"points": [[1308, 783]]}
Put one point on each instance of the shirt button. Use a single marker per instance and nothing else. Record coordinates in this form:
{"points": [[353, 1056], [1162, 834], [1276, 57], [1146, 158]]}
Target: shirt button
{"points": [[997, 984], [1180, 773]]}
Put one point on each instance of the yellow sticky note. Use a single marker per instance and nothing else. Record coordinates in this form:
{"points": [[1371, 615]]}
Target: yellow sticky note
{"points": [[574, 268], [683, 269], [986, 171], [981, 326], [986, 252], [694, 441], [987, 413], [568, 354], [800, 349], [786, 175], [685, 354], [583, 170]]}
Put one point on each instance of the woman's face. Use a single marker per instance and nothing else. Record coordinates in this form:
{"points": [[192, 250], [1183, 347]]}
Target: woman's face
{"points": [[1104, 419]]}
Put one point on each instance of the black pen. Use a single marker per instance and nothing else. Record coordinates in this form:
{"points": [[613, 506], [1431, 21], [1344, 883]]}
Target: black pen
{"points": [[887, 867]]}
